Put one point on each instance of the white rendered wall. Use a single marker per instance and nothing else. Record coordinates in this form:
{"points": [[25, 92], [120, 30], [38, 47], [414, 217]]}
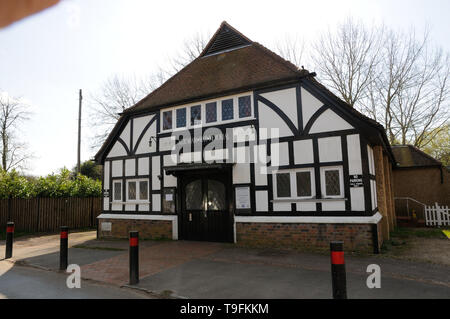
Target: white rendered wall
{"points": [[117, 150], [138, 126], [117, 168], [286, 100], [126, 135], [310, 105], [130, 167], [262, 201], [329, 121], [143, 166], [269, 119], [156, 171], [330, 149], [303, 152]]}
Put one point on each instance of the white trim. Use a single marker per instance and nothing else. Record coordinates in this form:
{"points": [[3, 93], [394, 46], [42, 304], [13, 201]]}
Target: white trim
{"points": [[309, 220], [341, 181], [114, 181], [138, 191], [172, 218], [293, 184]]}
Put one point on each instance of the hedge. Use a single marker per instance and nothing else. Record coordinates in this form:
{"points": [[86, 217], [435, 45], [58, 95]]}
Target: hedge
{"points": [[64, 184]]}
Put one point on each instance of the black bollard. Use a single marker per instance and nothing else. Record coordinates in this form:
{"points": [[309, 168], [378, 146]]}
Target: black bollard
{"points": [[63, 247], [338, 276], [134, 257], [9, 239]]}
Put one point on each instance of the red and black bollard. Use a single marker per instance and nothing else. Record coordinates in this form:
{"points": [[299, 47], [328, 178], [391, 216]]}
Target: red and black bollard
{"points": [[338, 275], [63, 248], [9, 239], [134, 257]]}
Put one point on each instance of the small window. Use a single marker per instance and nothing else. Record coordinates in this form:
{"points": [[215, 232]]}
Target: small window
{"points": [[245, 109], [181, 117], [137, 190], [131, 190], [211, 112], [117, 191], [196, 115], [283, 185], [227, 110], [304, 187], [167, 120], [332, 181], [143, 190]]}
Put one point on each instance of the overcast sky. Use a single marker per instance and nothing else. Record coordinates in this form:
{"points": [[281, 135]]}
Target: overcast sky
{"points": [[48, 57]]}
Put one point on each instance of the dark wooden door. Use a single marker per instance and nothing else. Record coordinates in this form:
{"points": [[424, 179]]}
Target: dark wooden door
{"points": [[205, 213]]}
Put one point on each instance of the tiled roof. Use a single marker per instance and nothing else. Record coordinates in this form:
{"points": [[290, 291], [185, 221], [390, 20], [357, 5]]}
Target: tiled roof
{"points": [[224, 71], [410, 156]]}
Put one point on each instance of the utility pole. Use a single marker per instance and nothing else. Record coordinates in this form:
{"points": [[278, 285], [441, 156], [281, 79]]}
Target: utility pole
{"points": [[79, 133]]}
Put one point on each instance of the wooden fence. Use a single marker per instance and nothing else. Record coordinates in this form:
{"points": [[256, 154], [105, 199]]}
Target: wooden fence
{"points": [[49, 214], [437, 215]]}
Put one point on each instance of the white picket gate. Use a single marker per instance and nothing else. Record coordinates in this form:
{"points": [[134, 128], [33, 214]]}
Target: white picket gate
{"points": [[437, 215]]}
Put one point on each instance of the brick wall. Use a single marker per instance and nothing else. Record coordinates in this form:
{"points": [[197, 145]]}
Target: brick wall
{"points": [[423, 184], [148, 229], [356, 237]]}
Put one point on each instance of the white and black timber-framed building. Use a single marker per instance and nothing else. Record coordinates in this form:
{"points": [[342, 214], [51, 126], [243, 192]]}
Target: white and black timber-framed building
{"points": [[242, 146]]}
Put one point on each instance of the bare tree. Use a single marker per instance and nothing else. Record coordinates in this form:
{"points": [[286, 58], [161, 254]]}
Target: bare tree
{"points": [[121, 92], [191, 49], [13, 113], [346, 58], [292, 49], [397, 78], [411, 89], [118, 93]]}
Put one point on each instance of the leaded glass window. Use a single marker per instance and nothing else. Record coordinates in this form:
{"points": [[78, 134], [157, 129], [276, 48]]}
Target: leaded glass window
{"points": [[227, 110], [143, 190], [211, 112], [167, 120], [196, 115], [181, 117], [303, 184], [332, 183], [245, 109], [117, 191], [283, 185], [131, 190]]}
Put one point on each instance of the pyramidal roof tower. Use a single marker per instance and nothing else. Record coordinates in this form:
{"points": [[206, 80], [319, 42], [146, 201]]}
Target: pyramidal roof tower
{"points": [[225, 39]]}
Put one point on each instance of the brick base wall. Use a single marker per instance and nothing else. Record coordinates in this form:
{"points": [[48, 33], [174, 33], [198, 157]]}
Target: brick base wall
{"points": [[356, 237], [148, 229]]}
